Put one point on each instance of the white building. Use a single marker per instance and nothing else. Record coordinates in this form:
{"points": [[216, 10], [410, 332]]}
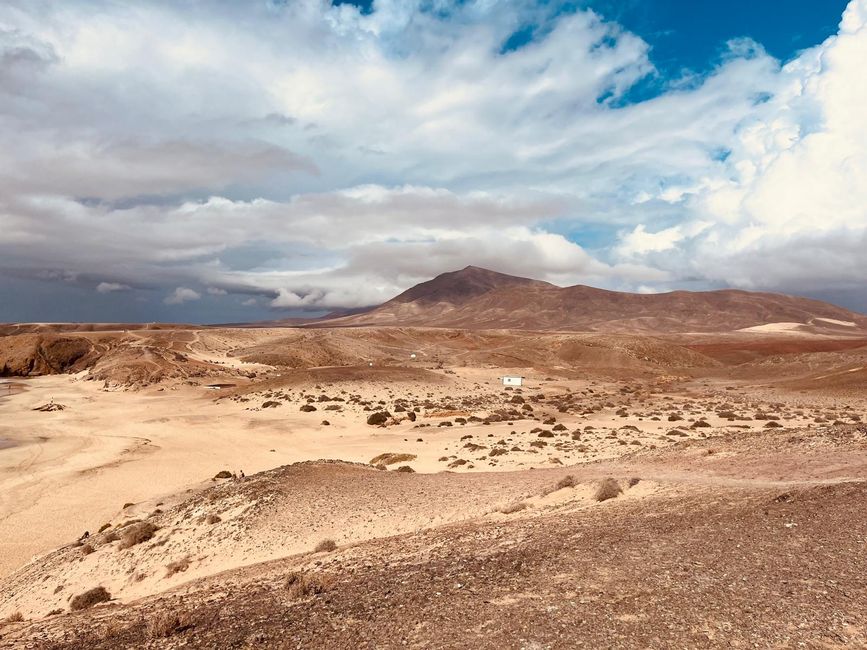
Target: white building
{"points": [[513, 380]]}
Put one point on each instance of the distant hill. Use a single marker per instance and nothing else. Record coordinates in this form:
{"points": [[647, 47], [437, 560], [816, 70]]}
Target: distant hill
{"points": [[475, 298]]}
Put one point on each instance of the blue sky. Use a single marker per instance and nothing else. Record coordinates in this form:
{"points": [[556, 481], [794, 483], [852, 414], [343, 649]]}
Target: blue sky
{"points": [[243, 161]]}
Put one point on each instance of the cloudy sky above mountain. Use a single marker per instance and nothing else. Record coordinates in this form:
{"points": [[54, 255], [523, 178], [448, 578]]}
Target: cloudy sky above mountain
{"points": [[221, 161]]}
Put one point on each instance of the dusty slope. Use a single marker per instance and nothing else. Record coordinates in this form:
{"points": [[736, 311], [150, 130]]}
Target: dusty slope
{"points": [[723, 554], [478, 298]]}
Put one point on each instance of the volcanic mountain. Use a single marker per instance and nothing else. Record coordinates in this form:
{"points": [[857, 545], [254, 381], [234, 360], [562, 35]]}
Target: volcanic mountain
{"points": [[476, 298]]}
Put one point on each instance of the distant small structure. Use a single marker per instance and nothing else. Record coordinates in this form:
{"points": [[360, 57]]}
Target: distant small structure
{"points": [[513, 380]]}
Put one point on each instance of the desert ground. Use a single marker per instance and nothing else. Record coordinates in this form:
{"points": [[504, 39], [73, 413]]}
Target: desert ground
{"points": [[380, 487]]}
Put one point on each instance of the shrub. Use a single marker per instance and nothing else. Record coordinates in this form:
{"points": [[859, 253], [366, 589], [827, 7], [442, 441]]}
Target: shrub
{"points": [[301, 584], [565, 482], [89, 599], [165, 624], [378, 418], [136, 534], [513, 507], [608, 489], [178, 566], [391, 459], [325, 546], [110, 536]]}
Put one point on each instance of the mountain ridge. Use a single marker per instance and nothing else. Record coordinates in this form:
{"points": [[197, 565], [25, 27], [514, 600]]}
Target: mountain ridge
{"points": [[478, 298]]}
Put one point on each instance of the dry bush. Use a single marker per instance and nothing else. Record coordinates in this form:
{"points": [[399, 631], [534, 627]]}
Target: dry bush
{"points": [[177, 566], [513, 507], [301, 584], [565, 482], [89, 599], [608, 489], [378, 418], [111, 630], [136, 534], [165, 624], [391, 459], [325, 546]]}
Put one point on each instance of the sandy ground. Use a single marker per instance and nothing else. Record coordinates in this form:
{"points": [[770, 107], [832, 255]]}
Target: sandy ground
{"points": [[72, 470], [741, 415]]}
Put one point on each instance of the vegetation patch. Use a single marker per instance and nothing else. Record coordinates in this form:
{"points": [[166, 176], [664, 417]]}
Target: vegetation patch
{"points": [[391, 459], [89, 598]]}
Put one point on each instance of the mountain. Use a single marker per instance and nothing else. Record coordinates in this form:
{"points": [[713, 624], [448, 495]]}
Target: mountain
{"points": [[476, 298]]}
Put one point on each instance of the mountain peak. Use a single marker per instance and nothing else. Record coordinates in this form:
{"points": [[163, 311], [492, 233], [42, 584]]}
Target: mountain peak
{"points": [[456, 287]]}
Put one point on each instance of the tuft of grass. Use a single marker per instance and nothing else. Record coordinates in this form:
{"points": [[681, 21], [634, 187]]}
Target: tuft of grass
{"points": [[567, 481], [608, 489], [165, 624], [300, 585], [89, 598], [178, 566], [391, 459], [17, 617], [513, 507], [325, 546], [136, 534]]}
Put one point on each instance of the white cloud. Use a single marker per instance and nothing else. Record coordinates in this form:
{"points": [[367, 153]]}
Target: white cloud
{"points": [[245, 160], [181, 295], [111, 287]]}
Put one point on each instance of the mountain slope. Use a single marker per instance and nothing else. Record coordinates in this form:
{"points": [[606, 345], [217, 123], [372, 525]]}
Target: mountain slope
{"points": [[478, 298]]}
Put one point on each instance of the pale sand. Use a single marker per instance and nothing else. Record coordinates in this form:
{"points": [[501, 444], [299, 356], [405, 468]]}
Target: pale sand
{"points": [[776, 328], [73, 470]]}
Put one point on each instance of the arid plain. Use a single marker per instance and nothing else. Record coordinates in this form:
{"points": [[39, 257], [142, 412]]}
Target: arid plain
{"points": [[372, 483]]}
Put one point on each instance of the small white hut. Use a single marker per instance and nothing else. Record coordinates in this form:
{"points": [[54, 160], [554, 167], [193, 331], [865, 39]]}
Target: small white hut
{"points": [[513, 380]]}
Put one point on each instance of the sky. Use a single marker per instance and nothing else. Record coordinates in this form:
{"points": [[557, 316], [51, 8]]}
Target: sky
{"points": [[229, 161]]}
